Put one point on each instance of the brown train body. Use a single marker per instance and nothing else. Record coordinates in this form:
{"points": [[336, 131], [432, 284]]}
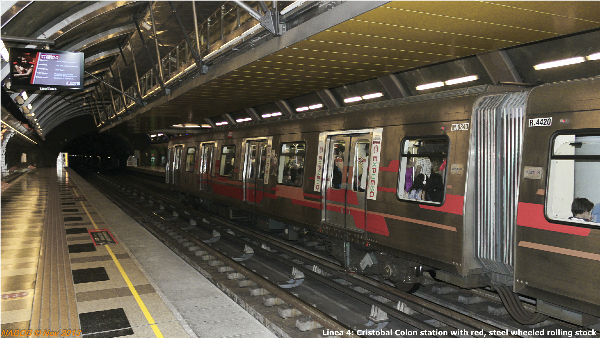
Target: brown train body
{"points": [[502, 220]]}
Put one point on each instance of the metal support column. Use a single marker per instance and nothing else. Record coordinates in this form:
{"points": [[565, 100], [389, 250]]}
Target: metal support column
{"points": [[196, 56], [128, 70], [159, 62], [162, 84], [196, 27]]}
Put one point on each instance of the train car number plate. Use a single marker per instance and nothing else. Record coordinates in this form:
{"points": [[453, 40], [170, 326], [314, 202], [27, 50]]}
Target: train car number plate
{"points": [[459, 126], [540, 122]]}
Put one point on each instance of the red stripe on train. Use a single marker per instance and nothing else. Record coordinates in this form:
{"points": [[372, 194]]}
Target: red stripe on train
{"points": [[531, 215], [454, 204]]}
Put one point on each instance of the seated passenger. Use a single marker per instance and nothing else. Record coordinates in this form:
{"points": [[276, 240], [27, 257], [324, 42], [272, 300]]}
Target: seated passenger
{"points": [[434, 189], [596, 213], [416, 191], [581, 209]]}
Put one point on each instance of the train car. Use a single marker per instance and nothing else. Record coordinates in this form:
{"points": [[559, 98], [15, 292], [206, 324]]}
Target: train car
{"points": [[474, 186]]}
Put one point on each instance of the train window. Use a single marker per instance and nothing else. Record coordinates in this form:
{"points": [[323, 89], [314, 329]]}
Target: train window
{"points": [[227, 161], [573, 184], [360, 165], [190, 159], [291, 164], [423, 169]]}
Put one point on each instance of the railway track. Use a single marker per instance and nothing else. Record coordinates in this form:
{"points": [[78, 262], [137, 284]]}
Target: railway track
{"points": [[296, 291]]}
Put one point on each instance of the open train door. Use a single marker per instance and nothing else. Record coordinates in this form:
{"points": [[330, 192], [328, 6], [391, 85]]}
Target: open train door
{"points": [[206, 171], [255, 161], [346, 183]]}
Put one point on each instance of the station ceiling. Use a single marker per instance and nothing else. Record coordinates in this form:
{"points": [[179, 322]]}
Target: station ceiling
{"points": [[330, 45]]}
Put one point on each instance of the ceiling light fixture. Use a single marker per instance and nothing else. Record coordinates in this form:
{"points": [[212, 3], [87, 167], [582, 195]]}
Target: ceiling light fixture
{"points": [[353, 99], [461, 80], [301, 109], [559, 63], [595, 56], [264, 116], [246, 119], [430, 85], [221, 123], [372, 96]]}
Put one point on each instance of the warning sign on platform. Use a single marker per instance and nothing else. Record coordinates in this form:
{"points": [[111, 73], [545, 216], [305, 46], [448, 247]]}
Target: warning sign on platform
{"points": [[102, 237]]}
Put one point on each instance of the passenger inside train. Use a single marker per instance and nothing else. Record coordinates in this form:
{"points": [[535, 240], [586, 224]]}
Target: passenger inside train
{"points": [[423, 170], [573, 186], [581, 209]]}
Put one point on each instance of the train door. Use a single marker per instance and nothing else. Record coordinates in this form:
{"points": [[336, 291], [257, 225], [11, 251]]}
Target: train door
{"points": [[207, 167], [346, 184], [168, 169], [177, 153], [254, 170]]}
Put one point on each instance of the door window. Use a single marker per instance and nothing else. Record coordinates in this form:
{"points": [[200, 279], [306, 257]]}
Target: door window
{"points": [[291, 164], [423, 169], [573, 184], [227, 161], [190, 159]]}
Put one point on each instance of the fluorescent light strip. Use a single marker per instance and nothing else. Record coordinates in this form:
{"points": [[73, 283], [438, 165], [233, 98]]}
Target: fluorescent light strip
{"points": [[264, 116], [315, 106], [372, 96], [595, 56], [221, 123], [461, 80], [301, 109], [353, 99], [430, 85], [559, 63], [246, 119]]}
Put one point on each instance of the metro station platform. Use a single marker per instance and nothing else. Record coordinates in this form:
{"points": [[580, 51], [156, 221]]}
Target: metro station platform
{"points": [[75, 265]]}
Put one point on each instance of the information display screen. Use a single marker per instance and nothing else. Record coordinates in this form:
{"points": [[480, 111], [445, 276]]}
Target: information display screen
{"points": [[41, 69]]}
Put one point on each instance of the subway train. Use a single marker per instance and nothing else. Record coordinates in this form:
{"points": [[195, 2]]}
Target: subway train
{"points": [[482, 187]]}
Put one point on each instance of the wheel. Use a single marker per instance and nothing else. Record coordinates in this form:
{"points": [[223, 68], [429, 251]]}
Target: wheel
{"points": [[407, 287]]}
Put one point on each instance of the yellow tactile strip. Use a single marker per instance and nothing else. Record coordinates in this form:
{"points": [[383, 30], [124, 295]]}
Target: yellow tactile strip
{"points": [[54, 306]]}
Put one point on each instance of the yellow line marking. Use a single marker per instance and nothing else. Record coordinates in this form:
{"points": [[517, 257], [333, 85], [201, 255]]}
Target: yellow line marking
{"points": [[137, 297]]}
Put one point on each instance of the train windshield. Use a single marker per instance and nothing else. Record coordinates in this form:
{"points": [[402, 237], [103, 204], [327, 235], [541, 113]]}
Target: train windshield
{"points": [[423, 170], [573, 182]]}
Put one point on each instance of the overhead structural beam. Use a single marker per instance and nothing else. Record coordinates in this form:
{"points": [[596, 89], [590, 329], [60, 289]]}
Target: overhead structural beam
{"points": [[138, 101], [269, 19], [327, 97], [252, 113], [210, 122], [230, 120], [197, 57], [285, 108], [393, 86], [499, 67]]}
